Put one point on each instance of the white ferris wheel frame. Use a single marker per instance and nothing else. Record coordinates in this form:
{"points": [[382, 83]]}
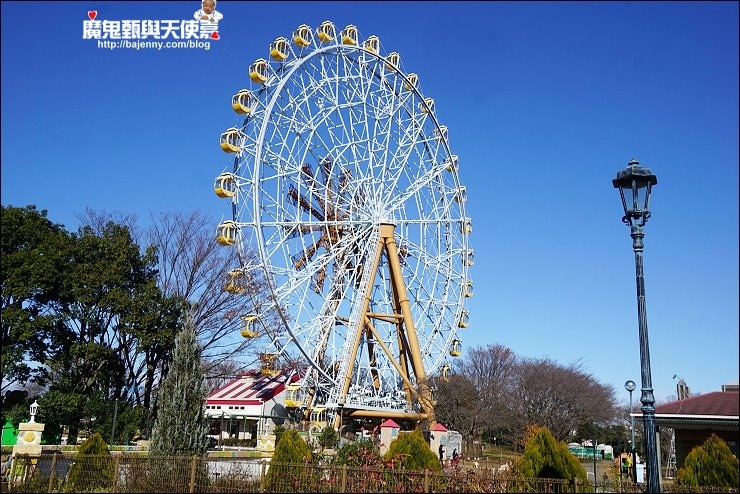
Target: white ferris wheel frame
{"points": [[363, 123]]}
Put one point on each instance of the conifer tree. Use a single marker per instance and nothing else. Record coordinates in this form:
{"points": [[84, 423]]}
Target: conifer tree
{"points": [[180, 427], [413, 451], [92, 468], [285, 473], [546, 457], [712, 465]]}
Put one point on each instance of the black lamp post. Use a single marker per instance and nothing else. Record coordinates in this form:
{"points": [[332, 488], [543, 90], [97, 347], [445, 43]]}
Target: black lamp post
{"points": [[630, 387], [635, 184]]}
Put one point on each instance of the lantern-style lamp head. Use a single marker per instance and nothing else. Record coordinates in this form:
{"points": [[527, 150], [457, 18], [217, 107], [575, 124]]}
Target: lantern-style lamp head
{"points": [[34, 408], [635, 184]]}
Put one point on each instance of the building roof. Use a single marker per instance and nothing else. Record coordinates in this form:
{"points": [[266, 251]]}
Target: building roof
{"points": [[439, 427], [716, 403], [251, 388], [390, 423]]}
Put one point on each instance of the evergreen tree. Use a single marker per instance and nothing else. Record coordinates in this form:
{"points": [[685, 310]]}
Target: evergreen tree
{"points": [[180, 427], [546, 457], [92, 468], [712, 464], [284, 475]]}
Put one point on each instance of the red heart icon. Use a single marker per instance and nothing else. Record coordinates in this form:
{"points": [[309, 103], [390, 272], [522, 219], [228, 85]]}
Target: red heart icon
{"points": [[215, 35], [92, 14]]}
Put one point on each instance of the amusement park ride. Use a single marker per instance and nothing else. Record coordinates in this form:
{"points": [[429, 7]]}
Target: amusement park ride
{"points": [[346, 199]]}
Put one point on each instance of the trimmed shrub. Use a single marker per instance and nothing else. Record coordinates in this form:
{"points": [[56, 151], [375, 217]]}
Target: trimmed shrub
{"points": [[711, 464], [286, 471], [411, 452], [546, 457], [92, 468]]}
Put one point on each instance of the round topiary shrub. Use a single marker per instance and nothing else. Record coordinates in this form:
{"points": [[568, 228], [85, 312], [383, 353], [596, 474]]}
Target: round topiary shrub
{"points": [[546, 457], [411, 452]]}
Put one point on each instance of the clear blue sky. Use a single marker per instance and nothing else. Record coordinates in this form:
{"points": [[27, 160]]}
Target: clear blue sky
{"points": [[544, 103]]}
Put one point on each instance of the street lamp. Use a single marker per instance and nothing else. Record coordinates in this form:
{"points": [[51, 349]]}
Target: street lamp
{"points": [[33, 409], [635, 184], [630, 386]]}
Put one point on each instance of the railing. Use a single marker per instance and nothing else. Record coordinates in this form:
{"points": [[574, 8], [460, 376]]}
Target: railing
{"points": [[136, 473]]}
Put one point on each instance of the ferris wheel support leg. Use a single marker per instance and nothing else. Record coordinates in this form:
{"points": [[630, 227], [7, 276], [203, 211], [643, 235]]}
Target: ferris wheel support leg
{"points": [[363, 321], [410, 328], [403, 345]]}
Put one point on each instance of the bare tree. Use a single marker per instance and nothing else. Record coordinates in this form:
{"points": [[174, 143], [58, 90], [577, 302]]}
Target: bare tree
{"points": [[458, 405], [192, 265], [558, 397], [491, 369]]}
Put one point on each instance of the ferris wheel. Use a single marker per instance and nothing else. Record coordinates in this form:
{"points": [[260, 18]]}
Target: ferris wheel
{"points": [[346, 200]]}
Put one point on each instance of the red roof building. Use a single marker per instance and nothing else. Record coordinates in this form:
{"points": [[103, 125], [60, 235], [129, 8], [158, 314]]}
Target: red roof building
{"points": [[695, 418], [250, 405]]}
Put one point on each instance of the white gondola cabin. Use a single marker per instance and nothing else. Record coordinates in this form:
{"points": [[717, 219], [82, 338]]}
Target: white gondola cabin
{"points": [[466, 226], [231, 140], [372, 44], [445, 372], [349, 35], [452, 163], [279, 49], [241, 102], [468, 289], [426, 106], [224, 185], [464, 319], [392, 61], [302, 36], [293, 396], [456, 349], [258, 71], [226, 233], [469, 257], [412, 82], [326, 31], [461, 195], [235, 282], [248, 330], [269, 364], [441, 132]]}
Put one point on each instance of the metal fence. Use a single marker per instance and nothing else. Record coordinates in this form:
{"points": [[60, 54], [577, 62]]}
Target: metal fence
{"points": [[137, 473]]}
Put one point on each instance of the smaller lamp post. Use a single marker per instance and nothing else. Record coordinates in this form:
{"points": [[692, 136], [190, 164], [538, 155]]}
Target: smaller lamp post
{"points": [[34, 408], [630, 386], [595, 442]]}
